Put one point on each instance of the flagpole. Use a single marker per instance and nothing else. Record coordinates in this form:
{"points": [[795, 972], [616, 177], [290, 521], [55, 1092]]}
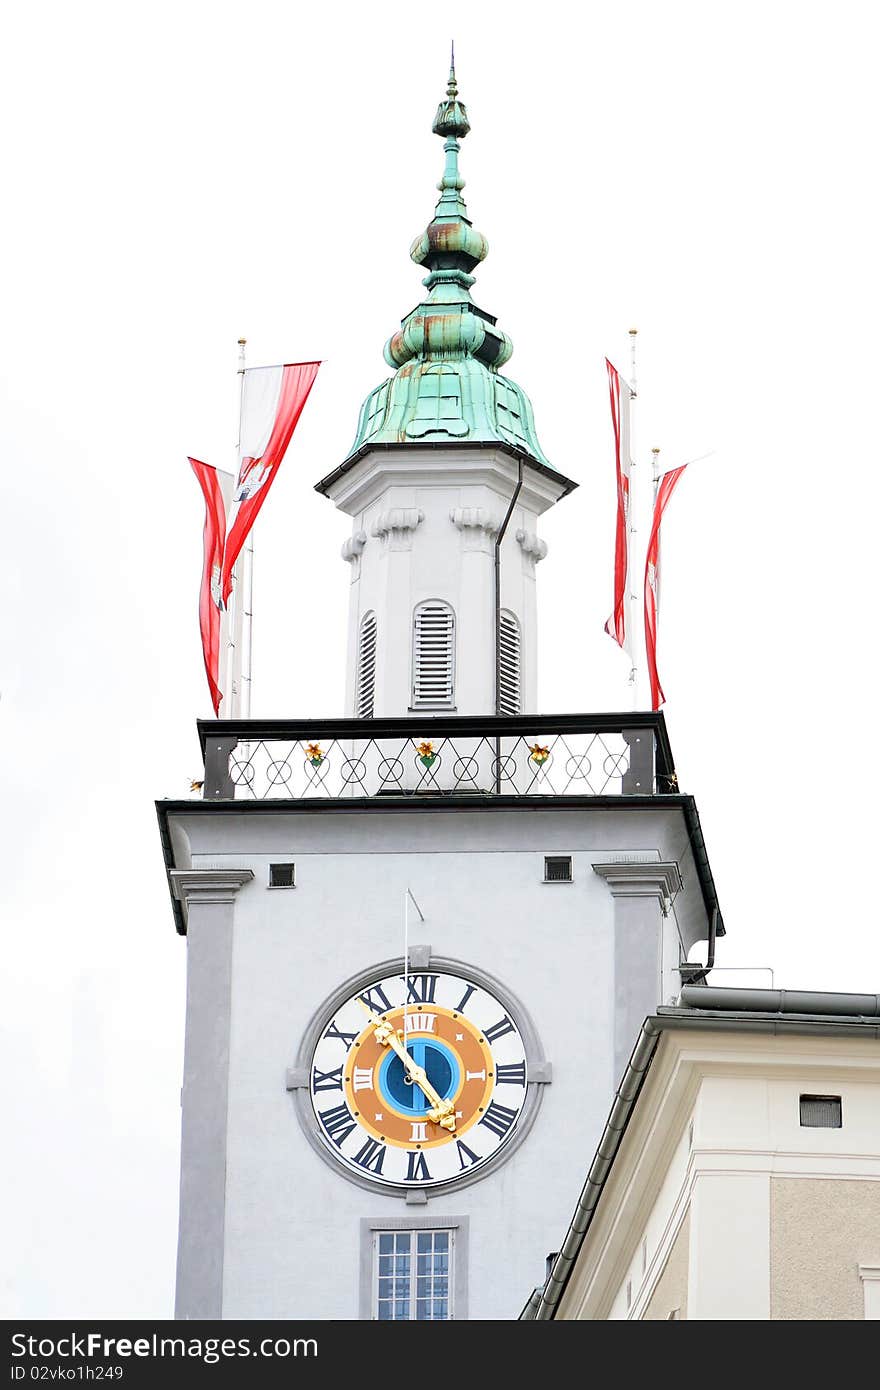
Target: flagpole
{"points": [[655, 485], [632, 569], [247, 586], [234, 609], [247, 598]]}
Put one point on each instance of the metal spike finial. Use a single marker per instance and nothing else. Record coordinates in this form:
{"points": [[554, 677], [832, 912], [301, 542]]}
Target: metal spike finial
{"points": [[451, 119]]}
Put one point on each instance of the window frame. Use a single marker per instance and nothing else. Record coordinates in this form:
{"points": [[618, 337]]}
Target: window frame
{"points": [[423, 704], [372, 1228]]}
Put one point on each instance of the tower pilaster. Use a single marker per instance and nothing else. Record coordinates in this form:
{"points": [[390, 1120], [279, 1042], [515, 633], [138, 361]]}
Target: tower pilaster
{"points": [[208, 896]]}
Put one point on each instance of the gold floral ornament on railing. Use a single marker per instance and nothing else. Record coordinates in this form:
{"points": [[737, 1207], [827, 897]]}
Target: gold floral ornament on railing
{"points": [[426, 752], [315, 754], [539, 753]]}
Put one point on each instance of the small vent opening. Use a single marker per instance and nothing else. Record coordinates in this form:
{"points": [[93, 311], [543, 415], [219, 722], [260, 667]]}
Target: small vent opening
{"points": [[821, 1112], [282, 875], [557, 868]]}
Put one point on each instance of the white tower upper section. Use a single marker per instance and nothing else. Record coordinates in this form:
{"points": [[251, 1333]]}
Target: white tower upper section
{"points": [[444, 483]]}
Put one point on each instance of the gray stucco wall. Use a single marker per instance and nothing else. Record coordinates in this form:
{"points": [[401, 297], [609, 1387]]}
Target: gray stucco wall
{"points": [[820, 1231]]}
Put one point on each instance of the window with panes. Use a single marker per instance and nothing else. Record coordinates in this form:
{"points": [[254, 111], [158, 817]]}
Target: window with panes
{"points": [[412, 1276]]}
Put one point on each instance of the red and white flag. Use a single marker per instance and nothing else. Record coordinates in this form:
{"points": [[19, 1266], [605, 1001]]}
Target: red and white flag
{"points": [[214, 536], [272, 402], [652, 581], [617, 625]]}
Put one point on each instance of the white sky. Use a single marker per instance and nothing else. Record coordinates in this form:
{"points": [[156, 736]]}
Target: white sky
{"points": [[182, 174]]}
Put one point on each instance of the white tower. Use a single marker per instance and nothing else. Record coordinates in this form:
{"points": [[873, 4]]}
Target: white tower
{"points": [[444, 483], [420, 939]]}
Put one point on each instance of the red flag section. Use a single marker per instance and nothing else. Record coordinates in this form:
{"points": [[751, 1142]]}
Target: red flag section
{"points": [[652, 581], [209, 594], [273, 400], [616, 625]]}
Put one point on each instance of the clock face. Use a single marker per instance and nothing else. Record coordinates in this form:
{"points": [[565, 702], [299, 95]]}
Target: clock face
{"points": [[446, 1111]]}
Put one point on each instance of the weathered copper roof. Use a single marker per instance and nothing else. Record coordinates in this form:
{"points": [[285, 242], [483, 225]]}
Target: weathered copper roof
{"points": [[447, 352]]}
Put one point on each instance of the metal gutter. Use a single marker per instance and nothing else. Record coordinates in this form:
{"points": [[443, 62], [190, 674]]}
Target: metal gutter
{"points": [[168, 856], [542, 1303], [844, 1015], [701, 861], [784, 1001]]}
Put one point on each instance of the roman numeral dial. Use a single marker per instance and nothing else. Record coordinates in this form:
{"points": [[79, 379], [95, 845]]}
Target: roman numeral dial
{"points": [[416, 1080]]}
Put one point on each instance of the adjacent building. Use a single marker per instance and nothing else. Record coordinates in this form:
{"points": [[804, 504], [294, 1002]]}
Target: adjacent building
{"points": [[738, 1176]]}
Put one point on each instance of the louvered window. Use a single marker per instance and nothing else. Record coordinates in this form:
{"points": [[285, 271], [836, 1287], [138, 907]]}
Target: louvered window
{"points": [[365, 686], [433, 656], [509, 699]]}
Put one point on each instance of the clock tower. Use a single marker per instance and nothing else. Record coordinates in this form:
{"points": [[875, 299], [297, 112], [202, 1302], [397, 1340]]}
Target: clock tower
{"points": [[421, 939]]}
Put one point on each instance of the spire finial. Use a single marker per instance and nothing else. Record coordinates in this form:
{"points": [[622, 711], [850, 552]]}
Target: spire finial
{"points": [[451, 119]]}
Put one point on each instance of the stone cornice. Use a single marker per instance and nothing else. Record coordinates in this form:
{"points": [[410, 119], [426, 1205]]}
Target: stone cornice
{"points": [[208, 885], [366, 479], [660, 879]]}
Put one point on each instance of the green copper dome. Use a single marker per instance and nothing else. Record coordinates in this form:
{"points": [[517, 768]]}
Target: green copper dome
{"points": [[447, 351]]}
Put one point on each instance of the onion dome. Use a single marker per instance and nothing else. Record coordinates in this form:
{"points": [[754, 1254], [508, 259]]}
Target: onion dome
{"points": [[447, 351]]}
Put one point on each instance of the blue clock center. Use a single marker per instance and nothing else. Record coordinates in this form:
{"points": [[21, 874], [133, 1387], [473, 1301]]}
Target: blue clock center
{"points": [[441, 1067]]}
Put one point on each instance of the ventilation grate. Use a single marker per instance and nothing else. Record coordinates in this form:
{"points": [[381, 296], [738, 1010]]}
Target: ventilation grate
{"points": [[282, 876], [433, 656], [557, 868], [509, 678], [821, 1112], [366, 668]]}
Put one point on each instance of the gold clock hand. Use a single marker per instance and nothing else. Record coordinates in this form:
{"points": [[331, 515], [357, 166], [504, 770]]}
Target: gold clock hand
{"points": [[443, 1112]]}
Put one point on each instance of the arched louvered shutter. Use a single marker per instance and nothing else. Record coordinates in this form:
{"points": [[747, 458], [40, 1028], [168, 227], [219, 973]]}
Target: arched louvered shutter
{"points": [[433, 656], [365, 686], [509, 675]]}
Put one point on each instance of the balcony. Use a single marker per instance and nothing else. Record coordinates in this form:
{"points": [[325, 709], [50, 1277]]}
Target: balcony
{"points": [[582, 755]]}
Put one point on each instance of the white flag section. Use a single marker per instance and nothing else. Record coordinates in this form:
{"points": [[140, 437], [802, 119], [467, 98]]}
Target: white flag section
{"points": [[271, 403], [261, 392]]}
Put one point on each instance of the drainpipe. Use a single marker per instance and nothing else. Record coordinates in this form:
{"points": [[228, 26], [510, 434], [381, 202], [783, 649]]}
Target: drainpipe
{"points": [[692, 975], [498, 539]]}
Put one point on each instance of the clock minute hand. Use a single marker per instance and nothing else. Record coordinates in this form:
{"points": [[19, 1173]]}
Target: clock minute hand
{"points": [[443, 1112]]}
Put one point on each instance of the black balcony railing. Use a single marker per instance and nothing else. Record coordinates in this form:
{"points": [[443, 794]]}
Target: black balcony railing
{"points": [[437, 756]]}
